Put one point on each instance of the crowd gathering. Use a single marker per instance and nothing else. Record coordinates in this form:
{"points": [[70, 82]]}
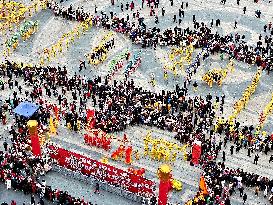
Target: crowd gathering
{"points": [[21, 171], [123, 104], [223, 182], [202, 36], [119, 105]]}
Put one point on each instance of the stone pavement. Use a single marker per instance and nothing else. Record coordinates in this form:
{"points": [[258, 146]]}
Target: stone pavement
{"points": [[9, 195]]}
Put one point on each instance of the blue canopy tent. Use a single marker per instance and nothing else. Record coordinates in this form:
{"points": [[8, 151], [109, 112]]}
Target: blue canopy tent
{"points": [[26, 109]]}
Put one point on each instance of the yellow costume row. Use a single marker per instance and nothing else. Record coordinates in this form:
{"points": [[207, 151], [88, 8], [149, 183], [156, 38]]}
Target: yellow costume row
{"points": [[241, 103], [66, 39], [101, 46], [217, 75], [14, 12], [178, 53], [264, 115], [162, 149]]}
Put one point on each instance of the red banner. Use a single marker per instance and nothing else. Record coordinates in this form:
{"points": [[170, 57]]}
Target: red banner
{"points": [[107, 173]]}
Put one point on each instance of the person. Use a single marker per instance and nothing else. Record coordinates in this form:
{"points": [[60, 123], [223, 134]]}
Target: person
{"points": [[13, 202], [265, 191], [244, 198], [5, 144], [271, 158], [195, 86], [82, 65], [241, 190], [156, 20], [163, 11], [248, 151], [231, 149], [224, 156], [174, 18], [244, 9], [257, 189], [153, 201], [97, 188], [256, 158], [8, 181], [32, 200]]}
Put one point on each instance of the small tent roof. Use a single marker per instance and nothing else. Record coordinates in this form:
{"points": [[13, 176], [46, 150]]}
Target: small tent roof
{"points": [[26, 109]]}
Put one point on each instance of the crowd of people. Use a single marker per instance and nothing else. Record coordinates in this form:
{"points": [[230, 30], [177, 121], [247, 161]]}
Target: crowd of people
{"points": [[246, 137], [223, 182], [117, 106], [123, 104], [234, 46], [22, 171]]}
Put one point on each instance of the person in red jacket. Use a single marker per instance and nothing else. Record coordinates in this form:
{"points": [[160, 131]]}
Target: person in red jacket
{"points": [[13, 202]]}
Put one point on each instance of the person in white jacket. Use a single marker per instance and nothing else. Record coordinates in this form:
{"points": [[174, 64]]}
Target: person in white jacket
{"points": [[265, 192], [8, 182]]}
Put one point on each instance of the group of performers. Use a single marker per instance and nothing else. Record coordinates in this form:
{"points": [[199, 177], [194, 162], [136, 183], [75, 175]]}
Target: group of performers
{"points": [[25, 31], [241, 103], [117, 63], [264, 114], [183, 54], [67, 39], [133, 64], [98, 139], [99, 53], [123, 153], [162, 150], [11, 14], [217, 75]]}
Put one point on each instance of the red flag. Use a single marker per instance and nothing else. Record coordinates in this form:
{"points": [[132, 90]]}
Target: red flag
{"points": [[56, 111], [90, 115], [196, 152]]}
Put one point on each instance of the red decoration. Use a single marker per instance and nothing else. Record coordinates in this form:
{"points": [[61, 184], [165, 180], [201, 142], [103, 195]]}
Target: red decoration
{"points": [[196, 153], [35, 143], [164, 187]]}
